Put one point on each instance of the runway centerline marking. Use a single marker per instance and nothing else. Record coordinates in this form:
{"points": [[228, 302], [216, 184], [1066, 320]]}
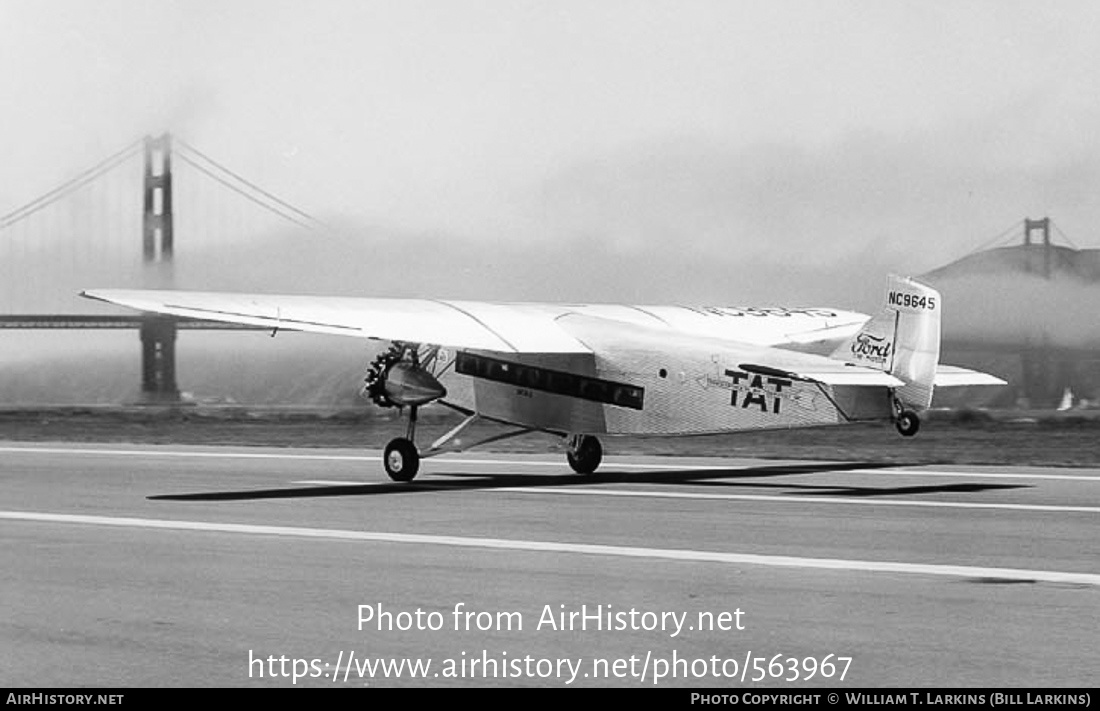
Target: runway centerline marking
{"points": [[869, 566], [608, 463], [986, 475], [569, 491], [809, 499]]}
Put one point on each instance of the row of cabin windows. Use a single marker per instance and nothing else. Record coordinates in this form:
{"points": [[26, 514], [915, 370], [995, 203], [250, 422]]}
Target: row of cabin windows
{"points": [[550, 381]]}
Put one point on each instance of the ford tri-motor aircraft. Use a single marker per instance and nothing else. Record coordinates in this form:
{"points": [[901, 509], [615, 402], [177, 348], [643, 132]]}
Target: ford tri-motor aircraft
{"points": [[583, 371]]}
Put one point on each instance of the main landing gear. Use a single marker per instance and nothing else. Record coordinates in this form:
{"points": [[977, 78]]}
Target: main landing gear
{"points": [[584, 453], [401, 459], [401, 377]]}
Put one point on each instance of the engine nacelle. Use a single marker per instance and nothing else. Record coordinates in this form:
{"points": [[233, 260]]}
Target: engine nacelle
{"points": [[408, 384]]}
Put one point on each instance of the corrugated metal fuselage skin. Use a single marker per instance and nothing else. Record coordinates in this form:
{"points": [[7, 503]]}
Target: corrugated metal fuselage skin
{"points": [[639, 382]]}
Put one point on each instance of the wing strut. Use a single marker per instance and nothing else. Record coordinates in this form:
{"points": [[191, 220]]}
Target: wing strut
{"points": [[455, 431], [440, 445]]}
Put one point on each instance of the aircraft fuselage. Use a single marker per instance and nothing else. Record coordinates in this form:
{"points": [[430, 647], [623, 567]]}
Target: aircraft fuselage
{"points": [[645, 382]]}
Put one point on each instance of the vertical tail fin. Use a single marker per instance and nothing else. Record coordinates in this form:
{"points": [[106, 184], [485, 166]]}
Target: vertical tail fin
{"points": [[902, 339]]}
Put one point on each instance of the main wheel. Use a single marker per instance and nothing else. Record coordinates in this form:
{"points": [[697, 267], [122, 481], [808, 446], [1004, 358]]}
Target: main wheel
{"points": [[584, 454], [401, 459], [908, 423]]}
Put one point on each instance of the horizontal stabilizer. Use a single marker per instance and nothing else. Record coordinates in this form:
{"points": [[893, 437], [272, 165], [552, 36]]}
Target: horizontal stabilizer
{"points": [[841, 375], [948, 376]]}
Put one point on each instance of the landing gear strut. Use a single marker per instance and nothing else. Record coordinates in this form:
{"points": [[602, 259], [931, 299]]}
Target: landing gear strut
{"points": [[584, 453], [401, 457]]}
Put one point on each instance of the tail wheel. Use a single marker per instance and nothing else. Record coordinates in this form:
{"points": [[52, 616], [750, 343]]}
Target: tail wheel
{"points": [[908, 423], [401, 459], [584, 454]]}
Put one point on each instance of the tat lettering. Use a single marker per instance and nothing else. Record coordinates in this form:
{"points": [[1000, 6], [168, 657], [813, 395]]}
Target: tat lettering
{"points": [[758, 390]]}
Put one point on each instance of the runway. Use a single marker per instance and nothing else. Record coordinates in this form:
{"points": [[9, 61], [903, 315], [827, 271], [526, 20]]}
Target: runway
{"points": [[134, 565]]}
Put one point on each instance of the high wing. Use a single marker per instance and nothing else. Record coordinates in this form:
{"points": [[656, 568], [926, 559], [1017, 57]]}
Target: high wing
{"points": [[503, 328], [500, 327], [455, 324]]}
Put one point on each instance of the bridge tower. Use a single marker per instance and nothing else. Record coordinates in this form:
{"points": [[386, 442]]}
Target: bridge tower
{"points": [[158, 334], [1045, 373], [1043, 226]]}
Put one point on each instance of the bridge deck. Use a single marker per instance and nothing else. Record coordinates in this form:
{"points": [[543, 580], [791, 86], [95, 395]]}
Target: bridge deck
{"points": [[43, 321]]}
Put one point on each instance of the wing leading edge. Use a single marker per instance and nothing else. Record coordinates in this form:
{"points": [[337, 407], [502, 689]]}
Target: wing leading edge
{"points": [[455, 324]]}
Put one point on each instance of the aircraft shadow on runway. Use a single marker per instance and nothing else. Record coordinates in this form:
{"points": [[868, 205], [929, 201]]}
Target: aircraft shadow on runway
{"points": [[458, 481]]}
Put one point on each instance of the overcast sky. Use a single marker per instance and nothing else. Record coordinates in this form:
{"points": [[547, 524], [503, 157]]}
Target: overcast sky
{"points": [[721, 151]]}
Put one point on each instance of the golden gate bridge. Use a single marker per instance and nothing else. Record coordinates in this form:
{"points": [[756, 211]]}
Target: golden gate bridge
{"points": [[132, 220]]}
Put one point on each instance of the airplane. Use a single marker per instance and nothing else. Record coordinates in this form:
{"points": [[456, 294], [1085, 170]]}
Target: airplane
{"points": [[585, 371]]}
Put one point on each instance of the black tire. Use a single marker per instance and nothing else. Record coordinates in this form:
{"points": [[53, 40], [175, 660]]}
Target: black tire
{"points": [[401, 459], [587, 457], [908, 423]]}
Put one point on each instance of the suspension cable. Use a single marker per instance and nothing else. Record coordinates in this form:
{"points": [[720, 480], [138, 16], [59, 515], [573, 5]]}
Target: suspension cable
{"points": [[998, 238], [209, 173], [252, 186], [1064, 235], [47, 199]]}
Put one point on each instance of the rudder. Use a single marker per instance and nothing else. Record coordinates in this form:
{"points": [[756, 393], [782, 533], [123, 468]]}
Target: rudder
{"points": [[903, 339]]}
